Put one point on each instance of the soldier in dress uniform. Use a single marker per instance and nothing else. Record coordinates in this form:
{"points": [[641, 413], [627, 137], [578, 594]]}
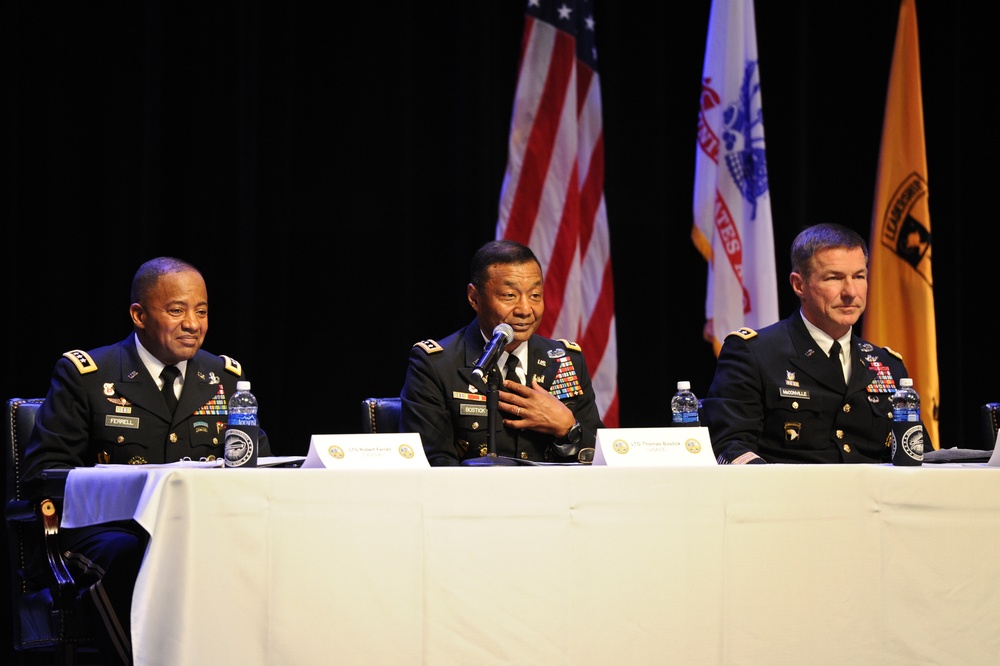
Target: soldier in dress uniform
{"points": [[546, 403], [155, 397], [780, 396]]}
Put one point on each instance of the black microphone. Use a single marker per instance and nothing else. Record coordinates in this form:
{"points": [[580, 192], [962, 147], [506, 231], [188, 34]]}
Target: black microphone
{"points": [[503, 335]]}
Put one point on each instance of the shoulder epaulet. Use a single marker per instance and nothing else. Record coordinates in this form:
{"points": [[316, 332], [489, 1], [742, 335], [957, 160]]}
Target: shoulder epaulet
{"points": [[232, 365], [82, 360], [745, 333], [429, 346], [894, 353], [572, 345]]}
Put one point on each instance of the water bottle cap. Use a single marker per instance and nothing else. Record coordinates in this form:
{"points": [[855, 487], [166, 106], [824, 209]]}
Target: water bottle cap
{"points": [[243, 386], [906, 382], [683, 386]]}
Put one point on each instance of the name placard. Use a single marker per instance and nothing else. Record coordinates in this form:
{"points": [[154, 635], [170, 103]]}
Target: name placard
{"points": [[387, 450], [654, 447]]}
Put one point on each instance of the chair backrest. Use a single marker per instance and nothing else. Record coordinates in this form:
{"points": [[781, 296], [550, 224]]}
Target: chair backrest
{"points": [[380, 414], [20, 422], [991, 424], [40, 619]]}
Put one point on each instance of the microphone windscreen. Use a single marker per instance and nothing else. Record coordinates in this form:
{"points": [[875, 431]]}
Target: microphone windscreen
{"points": [[508, 332]]}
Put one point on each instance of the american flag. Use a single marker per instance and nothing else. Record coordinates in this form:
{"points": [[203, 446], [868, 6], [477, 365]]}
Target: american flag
{"points": [[552, 198]]}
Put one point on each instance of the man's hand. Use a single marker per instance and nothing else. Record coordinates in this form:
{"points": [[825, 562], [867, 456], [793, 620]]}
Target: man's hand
{"points": [[534, 408]]}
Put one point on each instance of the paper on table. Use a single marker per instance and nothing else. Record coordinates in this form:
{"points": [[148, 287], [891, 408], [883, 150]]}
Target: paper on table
{"points": [[995, 458]]}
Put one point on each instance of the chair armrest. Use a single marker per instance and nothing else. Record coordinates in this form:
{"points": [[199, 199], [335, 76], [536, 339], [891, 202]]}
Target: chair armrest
{"points": [[50, 526]]}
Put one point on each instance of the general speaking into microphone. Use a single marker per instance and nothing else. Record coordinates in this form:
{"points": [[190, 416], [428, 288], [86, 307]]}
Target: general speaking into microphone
{"points": [[503, 335], [551, 417]]}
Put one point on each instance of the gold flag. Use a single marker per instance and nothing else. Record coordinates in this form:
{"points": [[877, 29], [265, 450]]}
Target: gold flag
{"points": [[901, 286]]}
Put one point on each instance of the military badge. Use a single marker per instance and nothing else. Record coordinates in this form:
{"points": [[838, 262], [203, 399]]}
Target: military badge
{"points": [[883, 381], [566, 383], [217, 405]]}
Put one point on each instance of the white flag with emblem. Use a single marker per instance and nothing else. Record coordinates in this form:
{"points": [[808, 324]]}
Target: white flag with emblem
{"points": [[732, 206]]}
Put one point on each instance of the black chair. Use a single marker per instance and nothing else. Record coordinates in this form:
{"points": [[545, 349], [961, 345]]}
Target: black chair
{"points": [[380, 415], [991, 424], [43, 592]]}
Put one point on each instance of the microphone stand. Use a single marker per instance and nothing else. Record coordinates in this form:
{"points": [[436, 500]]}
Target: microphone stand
{"points": [[492, 422]]}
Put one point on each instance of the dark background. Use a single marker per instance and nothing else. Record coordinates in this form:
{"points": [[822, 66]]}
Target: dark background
{"points": [[331, 167]]}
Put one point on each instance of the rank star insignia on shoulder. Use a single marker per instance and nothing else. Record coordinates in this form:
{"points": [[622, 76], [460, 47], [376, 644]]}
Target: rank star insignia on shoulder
{"points": [[82, 360], [429, 346], [232, 365], [894, 353], [571, 345], [745, 333]]}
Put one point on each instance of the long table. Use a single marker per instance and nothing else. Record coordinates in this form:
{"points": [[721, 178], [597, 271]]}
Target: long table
{"points": [[776, 564]]}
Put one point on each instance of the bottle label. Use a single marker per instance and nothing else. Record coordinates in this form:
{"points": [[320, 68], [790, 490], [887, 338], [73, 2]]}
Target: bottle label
{"points": [[240, 449], [686, 418], [907, 444], [907, 415], [237, 419]]}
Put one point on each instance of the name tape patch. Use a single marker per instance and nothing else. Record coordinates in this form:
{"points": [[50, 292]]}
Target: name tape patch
{"points": [[121, 421]]}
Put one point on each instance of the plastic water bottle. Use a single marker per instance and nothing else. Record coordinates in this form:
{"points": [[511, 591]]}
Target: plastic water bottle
{"points": [[243, 431], [684, 406], [907, 428]]}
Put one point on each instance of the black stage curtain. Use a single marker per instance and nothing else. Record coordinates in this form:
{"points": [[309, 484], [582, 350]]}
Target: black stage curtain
{"points": [[332, 166]]}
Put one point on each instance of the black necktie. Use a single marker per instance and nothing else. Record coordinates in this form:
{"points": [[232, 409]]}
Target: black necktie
{"points": [[169, 374], [512, 369], [835, 359]]}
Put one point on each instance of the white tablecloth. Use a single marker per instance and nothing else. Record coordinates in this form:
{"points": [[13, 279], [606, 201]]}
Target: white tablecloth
{"points": [[853, 564]]}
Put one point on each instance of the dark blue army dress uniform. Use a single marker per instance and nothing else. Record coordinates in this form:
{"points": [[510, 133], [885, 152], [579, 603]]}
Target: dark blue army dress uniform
{"points": [[446, 405], [777, 398], [103, 406]]}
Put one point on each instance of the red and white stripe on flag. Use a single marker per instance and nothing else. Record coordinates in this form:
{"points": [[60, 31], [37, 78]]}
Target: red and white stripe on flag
{"points": [[552, 198], [732, 205]]}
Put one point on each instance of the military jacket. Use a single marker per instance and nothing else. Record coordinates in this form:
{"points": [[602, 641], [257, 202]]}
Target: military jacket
{"points": [[447, 406], [777, 397], [104, 407]]}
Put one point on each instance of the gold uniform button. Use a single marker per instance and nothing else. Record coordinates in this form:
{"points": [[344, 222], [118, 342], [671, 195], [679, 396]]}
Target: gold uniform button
{"points": [[121, 440], [889, 414], [847, 448], [840, 434], [524, 455], [847, 409], [173, 438], [795, 405], [215, 440]]}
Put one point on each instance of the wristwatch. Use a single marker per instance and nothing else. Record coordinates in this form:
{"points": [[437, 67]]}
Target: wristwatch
{"points": [[574, 434]]}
